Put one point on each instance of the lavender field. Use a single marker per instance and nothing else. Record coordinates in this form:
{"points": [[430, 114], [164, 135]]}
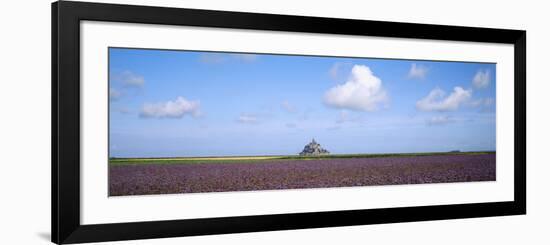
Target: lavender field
{"points": [[270, 174]]}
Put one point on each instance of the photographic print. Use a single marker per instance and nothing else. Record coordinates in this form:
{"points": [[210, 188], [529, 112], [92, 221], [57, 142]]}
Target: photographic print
{"points": [[298, 122], [201, 121]]}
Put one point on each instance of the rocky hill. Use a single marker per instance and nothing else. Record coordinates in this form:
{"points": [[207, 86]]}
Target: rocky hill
{"points": [[313, 149]]}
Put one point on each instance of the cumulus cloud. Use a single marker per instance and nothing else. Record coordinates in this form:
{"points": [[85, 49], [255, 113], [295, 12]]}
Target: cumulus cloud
{"points": [[436, 100], [114, 94], [439, 120], [129, 79], [247, 119], [288, 107], [481, 79], [171, 109], [417, 71], [362, 92]]}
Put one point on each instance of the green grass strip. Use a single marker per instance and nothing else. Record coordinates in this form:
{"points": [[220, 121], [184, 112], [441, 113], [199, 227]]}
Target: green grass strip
{"points": [[258, 159]]}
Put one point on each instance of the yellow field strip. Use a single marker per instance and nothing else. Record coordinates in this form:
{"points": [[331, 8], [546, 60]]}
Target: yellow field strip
{"points": [[199, 158]]}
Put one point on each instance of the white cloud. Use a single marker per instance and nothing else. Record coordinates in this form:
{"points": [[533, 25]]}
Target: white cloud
{"points": [[417, 71], [248, 119], [288, 107], [481, 79], [114, 94], [129, 79], [122, 83], [171, 109], [436, 100], [439, 120], [362, 92]]}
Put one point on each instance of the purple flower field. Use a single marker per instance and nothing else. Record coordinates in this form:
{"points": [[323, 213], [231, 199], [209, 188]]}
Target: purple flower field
{"points": [[294, 173]]}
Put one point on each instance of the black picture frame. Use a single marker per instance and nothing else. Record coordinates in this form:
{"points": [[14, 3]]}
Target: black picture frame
{"points": [[65, 171]]}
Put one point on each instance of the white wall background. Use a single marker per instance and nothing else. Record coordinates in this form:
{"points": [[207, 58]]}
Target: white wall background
{"points": [[25, 121]]}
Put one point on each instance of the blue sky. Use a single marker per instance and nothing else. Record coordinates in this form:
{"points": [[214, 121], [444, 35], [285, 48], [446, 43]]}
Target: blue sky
{"points": [[184, 103]]}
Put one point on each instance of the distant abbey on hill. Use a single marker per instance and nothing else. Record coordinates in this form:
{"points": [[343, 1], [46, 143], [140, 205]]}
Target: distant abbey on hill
{"points": [[313, 149]]}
